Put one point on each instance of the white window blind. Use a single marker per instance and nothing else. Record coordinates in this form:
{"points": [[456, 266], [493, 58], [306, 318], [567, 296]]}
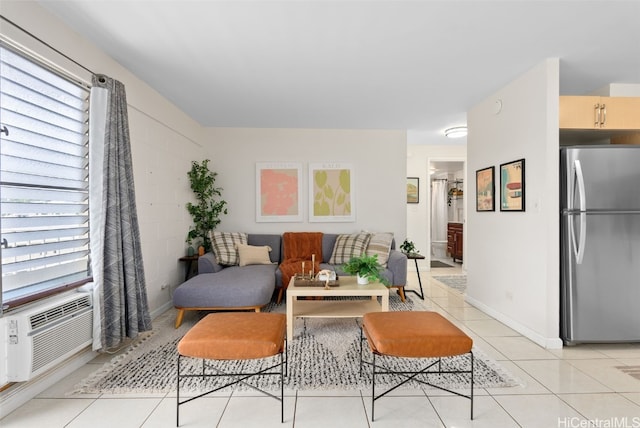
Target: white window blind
{"points": [[44, 189]]}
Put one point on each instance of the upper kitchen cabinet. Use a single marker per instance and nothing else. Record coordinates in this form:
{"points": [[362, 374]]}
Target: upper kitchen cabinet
{"points": [[593, 112]]}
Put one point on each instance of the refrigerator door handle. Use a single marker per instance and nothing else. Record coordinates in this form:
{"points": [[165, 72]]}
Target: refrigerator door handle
{"points": [[579, 248]]}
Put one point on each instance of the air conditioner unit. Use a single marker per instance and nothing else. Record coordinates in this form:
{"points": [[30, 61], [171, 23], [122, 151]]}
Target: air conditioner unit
{"points": [[45, 334]]}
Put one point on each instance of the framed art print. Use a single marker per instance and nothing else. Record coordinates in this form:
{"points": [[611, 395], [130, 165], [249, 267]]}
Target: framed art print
{"points": [[331, 192], [278, 192], [485, 189], [512, 187], [413, 190]]}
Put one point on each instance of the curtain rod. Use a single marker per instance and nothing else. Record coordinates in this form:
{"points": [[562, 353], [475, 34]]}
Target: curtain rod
{"points": [[47, 45]]}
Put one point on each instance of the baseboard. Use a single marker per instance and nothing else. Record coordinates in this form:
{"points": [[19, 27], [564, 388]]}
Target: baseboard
{"points": [[545, 342], [161, 310]]}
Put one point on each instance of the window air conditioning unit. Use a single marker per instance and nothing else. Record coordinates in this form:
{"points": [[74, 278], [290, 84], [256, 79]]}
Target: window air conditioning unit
{"points": [[46, 334]]}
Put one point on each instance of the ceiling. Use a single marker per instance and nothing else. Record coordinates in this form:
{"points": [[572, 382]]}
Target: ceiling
{"points": [[414, 65]]}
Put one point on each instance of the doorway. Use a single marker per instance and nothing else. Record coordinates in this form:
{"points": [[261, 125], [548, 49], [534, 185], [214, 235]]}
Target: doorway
{"points": [[447, 196]]}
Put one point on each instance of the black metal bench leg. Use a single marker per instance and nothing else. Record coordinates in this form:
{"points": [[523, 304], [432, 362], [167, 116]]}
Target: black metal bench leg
{"points": [[373, 386], [178, 395], [282, 388], [361, 338], [471, 395]]}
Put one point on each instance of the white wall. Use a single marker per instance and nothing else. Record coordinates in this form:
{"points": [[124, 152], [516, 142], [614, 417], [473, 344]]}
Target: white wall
{"points": [[618, 90], [512, 263], [377, 156], [419, 215], [164, 141]]}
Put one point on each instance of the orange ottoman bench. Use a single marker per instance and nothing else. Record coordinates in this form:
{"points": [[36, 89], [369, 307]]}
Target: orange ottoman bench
{"points": [[235, 336], [404, 334]]}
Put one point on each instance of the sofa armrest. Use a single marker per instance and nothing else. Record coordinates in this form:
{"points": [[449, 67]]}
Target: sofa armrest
{"points": [[207, 264], [397, 264]]}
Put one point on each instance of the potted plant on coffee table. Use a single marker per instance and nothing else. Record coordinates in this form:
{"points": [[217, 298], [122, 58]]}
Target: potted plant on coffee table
{"points": [[366, 268]]}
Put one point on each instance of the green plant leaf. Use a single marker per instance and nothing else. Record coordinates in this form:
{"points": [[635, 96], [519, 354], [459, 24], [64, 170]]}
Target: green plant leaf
{"points": [[321, 208], [320, 178], [328, 192], [366, 266], [345, 180], [206, 211]]}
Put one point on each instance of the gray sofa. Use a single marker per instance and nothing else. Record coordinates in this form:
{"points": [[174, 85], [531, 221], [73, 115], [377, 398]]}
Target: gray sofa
{"points": [[218, 287]]}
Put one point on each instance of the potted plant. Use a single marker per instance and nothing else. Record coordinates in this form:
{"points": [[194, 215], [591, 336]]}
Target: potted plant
{"points": [[207, 209], [408, 247], [366, 268]]}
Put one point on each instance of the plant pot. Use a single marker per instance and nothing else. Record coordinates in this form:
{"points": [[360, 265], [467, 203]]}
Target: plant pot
{"points": [[362, 280]]}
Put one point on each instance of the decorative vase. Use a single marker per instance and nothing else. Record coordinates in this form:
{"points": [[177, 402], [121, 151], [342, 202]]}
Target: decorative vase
{"points": [[201, 250], [190, 251], [362, 280]]}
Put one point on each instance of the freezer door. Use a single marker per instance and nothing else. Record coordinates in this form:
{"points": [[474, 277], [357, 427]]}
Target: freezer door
{"points": [[609, 175], [601, 293]]}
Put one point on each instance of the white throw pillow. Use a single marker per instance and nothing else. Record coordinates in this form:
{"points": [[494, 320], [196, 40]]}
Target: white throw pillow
{"points": [[380, 244], [254, 255]]}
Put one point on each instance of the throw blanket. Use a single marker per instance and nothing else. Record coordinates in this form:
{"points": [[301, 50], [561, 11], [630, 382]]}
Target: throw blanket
{"points": [[300, 247]]}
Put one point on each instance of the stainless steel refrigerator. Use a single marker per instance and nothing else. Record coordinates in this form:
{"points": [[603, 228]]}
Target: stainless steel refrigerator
{"points": [[600, 244]]}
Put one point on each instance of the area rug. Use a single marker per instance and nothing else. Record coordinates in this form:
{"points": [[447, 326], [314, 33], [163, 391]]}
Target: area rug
{"points": [[324, 355], [457, 282], [439, 264]]}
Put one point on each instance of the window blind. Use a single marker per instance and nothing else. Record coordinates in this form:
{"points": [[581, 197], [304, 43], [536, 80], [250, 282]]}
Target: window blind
{"points": [[44, 187]]}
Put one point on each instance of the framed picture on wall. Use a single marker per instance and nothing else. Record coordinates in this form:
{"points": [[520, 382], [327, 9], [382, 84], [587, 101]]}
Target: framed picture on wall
{"points": [[512, 190], [413, 190], [485, 189], [331, 192], [278, 192]]}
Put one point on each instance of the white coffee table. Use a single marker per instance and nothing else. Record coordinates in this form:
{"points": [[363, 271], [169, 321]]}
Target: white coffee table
{"points": [[335, 308]]}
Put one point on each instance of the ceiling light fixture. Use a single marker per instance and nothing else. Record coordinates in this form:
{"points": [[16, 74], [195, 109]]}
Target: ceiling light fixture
{"points": [[456, 132]]}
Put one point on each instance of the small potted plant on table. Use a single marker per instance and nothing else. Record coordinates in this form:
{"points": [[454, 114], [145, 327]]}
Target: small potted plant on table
{"points": [[366, 268], [408, 247]]}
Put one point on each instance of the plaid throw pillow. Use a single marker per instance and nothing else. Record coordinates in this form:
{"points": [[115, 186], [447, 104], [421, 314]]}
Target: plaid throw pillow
{"points": [[224, 246], [349, 246]]}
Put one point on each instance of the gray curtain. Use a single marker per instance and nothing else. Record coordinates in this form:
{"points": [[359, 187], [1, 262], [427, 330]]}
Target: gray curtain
{"points": [[121, 290]]}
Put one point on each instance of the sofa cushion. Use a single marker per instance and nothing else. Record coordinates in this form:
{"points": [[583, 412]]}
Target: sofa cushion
{"points": [[380, 245], [272, 240], [224, 246], [328, 242], [253, 255], [234, 286], [349, 246]]}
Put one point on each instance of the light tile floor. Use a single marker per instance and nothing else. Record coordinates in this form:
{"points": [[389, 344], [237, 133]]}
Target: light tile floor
{"points": [[581, 386]]}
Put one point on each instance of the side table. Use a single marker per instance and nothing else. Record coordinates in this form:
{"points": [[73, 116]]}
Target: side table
{"points": [[415, 257], [192, 266]]}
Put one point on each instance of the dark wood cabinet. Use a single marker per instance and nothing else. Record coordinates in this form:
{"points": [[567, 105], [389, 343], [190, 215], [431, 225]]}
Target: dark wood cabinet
{"points": [[454, 240]]}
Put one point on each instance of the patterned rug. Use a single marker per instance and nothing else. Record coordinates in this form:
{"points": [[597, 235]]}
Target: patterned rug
{"points": [[324, 354], [457, 282]]}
